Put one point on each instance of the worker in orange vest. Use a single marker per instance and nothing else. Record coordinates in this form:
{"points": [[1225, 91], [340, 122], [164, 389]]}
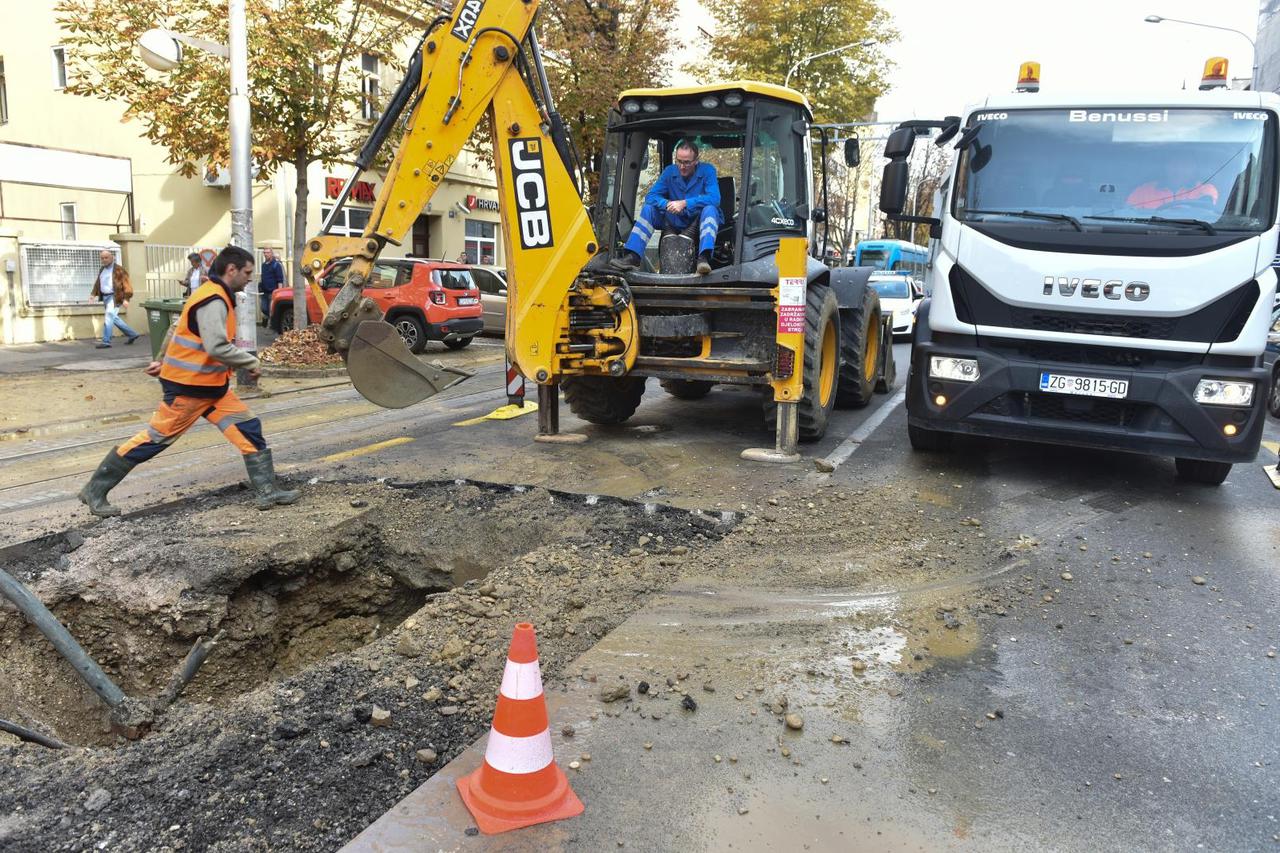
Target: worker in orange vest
{"points": [[197, 359]]}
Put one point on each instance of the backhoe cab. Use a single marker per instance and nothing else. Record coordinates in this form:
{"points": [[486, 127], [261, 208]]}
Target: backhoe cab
{"points": [[696, 331]]}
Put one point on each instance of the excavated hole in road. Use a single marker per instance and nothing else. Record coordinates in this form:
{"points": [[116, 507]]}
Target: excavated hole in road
{"points": [[339, 578]]}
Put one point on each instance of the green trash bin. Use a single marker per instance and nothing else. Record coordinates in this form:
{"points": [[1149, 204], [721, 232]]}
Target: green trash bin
{"points": [[161, 314]]}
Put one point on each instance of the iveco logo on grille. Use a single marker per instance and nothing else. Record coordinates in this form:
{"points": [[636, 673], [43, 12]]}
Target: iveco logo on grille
{"points": [[1093, 288]]}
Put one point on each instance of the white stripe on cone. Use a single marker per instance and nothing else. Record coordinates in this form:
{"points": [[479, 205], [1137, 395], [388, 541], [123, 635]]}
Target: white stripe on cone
{"points": [[521, 680], [518, 754], [515, 382]]}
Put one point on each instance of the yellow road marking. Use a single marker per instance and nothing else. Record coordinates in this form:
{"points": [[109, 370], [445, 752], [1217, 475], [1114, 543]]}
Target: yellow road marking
{"points": [[502, 413], [361, 451], [1273, 446]]}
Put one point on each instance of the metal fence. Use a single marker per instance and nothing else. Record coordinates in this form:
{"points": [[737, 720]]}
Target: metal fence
{"points": [[167, 267], [60, 274]]}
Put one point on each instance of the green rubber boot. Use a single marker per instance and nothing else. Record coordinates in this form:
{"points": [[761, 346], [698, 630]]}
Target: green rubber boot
{"points": [[262, 477], [111, 470]]}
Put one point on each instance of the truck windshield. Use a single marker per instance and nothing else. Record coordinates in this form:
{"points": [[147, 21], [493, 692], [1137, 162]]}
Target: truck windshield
{"points": [[1180, 170]]}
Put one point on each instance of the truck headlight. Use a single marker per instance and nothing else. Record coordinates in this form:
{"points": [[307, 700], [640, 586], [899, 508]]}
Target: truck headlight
{"points": [[955, 369], [1224, 392]]}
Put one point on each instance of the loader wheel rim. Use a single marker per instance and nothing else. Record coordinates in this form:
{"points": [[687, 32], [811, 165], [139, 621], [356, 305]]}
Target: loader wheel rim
{"points": [[872, 355], [827, 369]]}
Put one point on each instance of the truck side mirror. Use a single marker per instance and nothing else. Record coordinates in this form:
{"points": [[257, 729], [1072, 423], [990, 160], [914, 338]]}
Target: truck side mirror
{"points": [[893, 187], [899, 144], [819, 215], [852, 156]]}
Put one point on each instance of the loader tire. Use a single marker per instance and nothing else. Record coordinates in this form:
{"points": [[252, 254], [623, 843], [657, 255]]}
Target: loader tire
{"points": [[687, 389], [860, 365], [603, 399], [821, 366]]}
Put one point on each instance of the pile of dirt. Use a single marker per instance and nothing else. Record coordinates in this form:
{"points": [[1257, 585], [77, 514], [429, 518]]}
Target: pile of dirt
{"points": [[360, 597], [300, 348]]}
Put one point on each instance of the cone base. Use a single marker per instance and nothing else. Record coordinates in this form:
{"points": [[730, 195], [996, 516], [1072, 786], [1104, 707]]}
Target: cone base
{"points": [[489, 823]]}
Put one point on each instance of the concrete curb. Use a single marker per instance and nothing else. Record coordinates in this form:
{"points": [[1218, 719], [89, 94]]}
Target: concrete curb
{"points": [[303, 372]]}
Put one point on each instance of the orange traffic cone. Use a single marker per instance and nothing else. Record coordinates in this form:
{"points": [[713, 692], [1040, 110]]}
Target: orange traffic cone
{"points": [[519, 783]]}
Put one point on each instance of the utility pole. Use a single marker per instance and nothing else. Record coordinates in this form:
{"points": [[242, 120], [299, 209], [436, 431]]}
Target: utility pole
{"points": [[242, 177]]}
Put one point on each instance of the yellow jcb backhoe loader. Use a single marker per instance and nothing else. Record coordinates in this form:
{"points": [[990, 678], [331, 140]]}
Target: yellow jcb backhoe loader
{"points": [[574, 320]]}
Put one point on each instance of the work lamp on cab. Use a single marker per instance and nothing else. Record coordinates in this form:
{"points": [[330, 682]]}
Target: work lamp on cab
{"points": [[710, 102], [631, 107], [650, 106], [733, 99]]}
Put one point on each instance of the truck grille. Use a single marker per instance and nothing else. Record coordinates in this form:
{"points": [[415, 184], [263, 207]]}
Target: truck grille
{"points": [[1093, 324], [1054, 407]]}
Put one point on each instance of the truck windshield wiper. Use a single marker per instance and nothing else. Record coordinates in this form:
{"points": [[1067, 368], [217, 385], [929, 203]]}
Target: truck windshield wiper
{"points": [[1159, 220], [1032, 214]]}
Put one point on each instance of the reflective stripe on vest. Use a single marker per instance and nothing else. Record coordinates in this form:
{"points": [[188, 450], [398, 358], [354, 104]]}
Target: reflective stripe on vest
{"points": [[185, 360]]}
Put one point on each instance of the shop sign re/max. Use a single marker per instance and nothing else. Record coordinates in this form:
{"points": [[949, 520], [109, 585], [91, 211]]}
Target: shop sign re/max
{"points": [[362, 191]]}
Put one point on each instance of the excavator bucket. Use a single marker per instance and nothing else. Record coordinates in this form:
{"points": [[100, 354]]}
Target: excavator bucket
{"points": [[385, 373]]}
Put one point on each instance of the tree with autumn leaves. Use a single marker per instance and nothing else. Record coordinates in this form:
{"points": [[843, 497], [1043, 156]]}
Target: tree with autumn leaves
{"points": [[762, 40], [304, 78]]}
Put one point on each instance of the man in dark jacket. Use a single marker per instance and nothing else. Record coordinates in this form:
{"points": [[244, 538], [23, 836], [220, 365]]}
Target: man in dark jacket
{"points": [[271, 278]]}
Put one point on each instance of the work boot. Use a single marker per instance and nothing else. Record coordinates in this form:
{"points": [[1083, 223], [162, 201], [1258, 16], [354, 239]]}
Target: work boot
{"points": [[628, 260], [111, 470], [704, 263], [262, 477]]}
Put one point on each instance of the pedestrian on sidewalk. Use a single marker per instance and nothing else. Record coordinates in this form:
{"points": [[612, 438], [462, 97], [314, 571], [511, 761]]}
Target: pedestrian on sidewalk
{"points": [[195, 275], [115, 291], [271, 278], [197, 360]]}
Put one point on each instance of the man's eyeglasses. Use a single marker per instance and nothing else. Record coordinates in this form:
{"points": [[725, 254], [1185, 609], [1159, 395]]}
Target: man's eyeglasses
{"points": [[680, 162]]}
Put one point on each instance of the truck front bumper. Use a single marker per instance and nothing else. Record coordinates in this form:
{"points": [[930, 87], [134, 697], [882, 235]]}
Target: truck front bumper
{"points": [[1159, 415]]}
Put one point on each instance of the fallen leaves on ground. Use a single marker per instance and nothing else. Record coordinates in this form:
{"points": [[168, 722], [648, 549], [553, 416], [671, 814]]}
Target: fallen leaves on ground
{"points": [[300, 348]]}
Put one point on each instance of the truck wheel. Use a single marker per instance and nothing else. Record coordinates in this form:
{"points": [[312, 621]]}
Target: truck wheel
{"points": [[603, 399], [860, 353], [1202, 471], [411, 331], [928, 440], [687, 389], [821, 366], [1273, 399], [283, 321], [888, 371], [457, 343]]}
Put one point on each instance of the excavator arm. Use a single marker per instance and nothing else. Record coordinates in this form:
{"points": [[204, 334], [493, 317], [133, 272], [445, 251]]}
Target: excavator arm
{"points": [[486, 62]]}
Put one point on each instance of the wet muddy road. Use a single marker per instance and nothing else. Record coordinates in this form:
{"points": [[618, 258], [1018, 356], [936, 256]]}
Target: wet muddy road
{"points": [[1008, 647]]}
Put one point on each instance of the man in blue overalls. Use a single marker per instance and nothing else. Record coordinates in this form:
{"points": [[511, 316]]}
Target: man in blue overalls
{"points": [[684, 200]]}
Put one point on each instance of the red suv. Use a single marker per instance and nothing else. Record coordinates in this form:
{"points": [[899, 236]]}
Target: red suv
{"points": [[424, 300]]}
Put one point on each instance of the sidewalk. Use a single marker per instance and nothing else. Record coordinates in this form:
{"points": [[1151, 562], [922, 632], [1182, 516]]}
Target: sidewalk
{"points": [[74, 355]]}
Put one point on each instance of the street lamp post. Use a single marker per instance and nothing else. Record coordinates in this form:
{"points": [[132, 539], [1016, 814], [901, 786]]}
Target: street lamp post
{"points": [[1253, 74], [162, 50], [810, 58]]}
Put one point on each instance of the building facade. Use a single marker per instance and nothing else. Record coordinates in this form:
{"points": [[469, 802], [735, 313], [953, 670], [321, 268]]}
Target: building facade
{"points": [[75, 178]]}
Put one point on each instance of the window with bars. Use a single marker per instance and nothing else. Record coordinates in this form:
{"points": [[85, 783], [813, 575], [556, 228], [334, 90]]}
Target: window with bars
{"points": [[67, 213], [481, 242], [59, 67], [369, 87], [54, 275]]}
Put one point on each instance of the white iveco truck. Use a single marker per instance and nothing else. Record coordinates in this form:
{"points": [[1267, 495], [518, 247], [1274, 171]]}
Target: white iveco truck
{"points": [[1101, 274]]}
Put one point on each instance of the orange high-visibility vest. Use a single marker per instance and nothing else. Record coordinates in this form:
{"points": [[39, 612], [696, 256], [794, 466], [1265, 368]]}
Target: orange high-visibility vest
{"points": [[185, 360]]}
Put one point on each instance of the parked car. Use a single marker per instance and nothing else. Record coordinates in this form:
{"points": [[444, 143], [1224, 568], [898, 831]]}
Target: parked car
{"points": [[492, 282], [899, 294], [1271, 359], [424, 300]]}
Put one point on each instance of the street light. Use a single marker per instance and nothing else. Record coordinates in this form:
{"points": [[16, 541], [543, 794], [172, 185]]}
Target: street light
{"points": [[792, 70], [1253, 79], [162, 50]]}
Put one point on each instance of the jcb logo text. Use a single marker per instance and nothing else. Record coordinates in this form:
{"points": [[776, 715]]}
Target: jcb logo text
{"points": [[529, 179]]}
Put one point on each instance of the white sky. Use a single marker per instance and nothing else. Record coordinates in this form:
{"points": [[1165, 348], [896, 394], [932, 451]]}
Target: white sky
{"points": [[955, 52]]}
